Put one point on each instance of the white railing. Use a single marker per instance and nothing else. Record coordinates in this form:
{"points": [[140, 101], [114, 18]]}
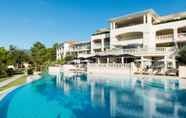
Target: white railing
{"points": [[165, 37], [128, 25], [182, 35], [129, 41], [83, 55], [111, 65], [109, 68], [160, 50], [81, 49], [96, 46]]}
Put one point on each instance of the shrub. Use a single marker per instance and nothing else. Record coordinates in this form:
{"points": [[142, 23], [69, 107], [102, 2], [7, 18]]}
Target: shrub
{"points": [[181, 58], [10, 72], [30, 71]]}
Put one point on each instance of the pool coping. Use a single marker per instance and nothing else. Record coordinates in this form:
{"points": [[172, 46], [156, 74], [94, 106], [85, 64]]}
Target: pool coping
{"points": [[4, 93]]}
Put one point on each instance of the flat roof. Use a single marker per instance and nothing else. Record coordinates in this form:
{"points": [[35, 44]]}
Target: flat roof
{"points": [[151, 11], [101, 31]]}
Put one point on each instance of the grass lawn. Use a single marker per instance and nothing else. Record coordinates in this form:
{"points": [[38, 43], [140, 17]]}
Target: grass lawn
{"points": [[3, 79], [19, 81]]}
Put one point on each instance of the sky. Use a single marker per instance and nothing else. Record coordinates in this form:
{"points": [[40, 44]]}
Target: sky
{"points": [[24, 22]]}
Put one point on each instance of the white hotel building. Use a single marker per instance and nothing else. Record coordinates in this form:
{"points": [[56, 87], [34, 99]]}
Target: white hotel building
{"points": [[143, 37]]}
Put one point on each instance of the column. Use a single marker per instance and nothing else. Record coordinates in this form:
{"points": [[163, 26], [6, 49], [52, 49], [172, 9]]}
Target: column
{"points": [[112, 25], [165, 62], [174, 62], [98, 60], [175, 33], [175, 37], [144, 19], [142, 62], [122, 60], [149, 19], [92, 47], [102, 45], [108, 60]]}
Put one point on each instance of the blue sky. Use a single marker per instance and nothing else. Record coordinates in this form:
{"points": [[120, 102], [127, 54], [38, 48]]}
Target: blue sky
{"points": [[23, 22]]}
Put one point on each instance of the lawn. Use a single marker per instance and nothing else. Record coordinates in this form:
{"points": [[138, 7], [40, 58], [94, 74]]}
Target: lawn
{"points": [[17, 82], [3, 79]]}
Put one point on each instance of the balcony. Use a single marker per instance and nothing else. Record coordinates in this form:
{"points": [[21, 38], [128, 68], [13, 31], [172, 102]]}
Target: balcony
{"points": [[83, 55], [96, 46], [81, 49], [181, 37], [128, 42], [139, 52], [129, 38], [129, 22], [165, 38]]}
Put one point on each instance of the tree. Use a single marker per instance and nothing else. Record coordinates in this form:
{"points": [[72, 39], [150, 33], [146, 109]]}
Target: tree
{"points": [[17, 56], [69, 57], [39, 54], [181, 58], [3, 61], [53, 51]]}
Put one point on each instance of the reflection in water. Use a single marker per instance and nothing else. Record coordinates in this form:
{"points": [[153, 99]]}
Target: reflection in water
{"points": [[136, 98]]}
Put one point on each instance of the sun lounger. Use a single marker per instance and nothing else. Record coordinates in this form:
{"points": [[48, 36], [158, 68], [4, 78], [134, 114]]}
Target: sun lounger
{"points": [[139, 71], [146, 72], [172, 72], [161, 72]]}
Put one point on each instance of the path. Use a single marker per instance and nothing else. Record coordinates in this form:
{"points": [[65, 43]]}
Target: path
{"points": [[4, 83]]}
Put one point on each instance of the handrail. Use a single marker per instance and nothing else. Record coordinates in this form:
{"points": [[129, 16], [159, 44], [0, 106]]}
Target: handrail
{"points": [[164, 37], [110, 65], [135, 51]]}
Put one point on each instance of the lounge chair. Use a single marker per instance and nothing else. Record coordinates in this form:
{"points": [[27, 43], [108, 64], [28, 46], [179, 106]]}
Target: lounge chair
{"points": [[139, 71], [148, 71], [172, 72], [155, 72], [161, 72]]}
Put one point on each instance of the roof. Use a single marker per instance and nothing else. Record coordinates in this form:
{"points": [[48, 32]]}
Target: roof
{"points": [[171, 17], [83, 42], [71, 41], [102, 31], [151, 11]]}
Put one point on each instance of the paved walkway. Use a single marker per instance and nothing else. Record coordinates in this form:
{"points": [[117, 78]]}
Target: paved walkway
{"points": [[4, 83]]}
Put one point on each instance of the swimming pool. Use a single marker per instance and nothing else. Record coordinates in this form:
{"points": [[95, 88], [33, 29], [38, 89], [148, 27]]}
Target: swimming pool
{"points": [[82, 96]]}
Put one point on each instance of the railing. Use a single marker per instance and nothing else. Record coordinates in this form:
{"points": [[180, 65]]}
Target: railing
{"points": [[96, 46], [128, 25], [109, 68], [84, 55], [129, 41], [111, 65], [81, 49], [165, 37], [182, 35], [162, 50]]}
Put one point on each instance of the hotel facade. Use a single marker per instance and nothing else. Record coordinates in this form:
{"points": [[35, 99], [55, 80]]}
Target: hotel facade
{"points": [[143, 37]]}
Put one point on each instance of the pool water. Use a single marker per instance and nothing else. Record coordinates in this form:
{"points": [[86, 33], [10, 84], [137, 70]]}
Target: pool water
{"points": [[82, 96]]}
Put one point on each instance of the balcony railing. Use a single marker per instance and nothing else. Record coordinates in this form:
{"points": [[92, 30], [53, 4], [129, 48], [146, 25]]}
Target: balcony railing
{"points": [[165, 37], [83, 55], [96, 46], [182, 35], [140, 51], [128, 25], [111, 65], [81, 49]]}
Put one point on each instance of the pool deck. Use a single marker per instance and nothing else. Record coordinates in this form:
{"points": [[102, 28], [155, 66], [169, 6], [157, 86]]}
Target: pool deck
{"points": [[29, 80]]}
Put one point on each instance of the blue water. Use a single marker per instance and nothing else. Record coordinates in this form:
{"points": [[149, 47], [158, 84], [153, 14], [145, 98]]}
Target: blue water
{"points": [[85, 97]]}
